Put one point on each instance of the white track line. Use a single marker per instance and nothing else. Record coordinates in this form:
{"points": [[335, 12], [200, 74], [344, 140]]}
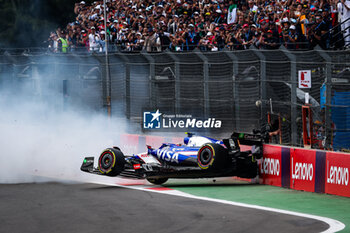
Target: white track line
{"points": [[334, 225]]}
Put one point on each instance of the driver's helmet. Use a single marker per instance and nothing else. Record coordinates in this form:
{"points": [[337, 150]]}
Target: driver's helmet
{"points": [[197, 141], [186, 139]]}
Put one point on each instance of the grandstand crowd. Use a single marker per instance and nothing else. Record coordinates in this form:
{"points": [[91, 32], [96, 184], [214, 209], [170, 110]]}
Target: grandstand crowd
{"points": [[209, 25]]}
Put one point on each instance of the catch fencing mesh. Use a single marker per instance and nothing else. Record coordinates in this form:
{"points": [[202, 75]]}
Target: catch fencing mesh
{"points": [[244, 89]]}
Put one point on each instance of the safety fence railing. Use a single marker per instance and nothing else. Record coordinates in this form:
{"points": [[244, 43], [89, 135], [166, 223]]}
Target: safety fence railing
{"points": [[334, 40], [244, 89], [338, 35]]}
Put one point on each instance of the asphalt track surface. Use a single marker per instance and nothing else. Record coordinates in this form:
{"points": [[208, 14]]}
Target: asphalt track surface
{"points": [[57, 207]]}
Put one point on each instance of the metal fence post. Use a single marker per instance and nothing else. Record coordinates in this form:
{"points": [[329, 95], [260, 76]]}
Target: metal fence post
{"points": [[261, 56], [293, 94], [205, 80], [177, 80], [234, 59], [328, 82], [102, 63], [37, 81], [150, 59], [127, 84]]}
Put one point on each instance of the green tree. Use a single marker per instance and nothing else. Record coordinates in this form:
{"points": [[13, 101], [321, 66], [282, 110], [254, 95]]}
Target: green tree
{"points": [[27, 23]]}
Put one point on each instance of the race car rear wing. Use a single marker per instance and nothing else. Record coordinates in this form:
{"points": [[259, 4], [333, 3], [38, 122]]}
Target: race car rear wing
{"points": [[249, 139], [255, 140]]}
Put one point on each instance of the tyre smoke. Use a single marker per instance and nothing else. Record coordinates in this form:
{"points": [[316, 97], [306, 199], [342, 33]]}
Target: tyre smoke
{"points": [[40, 138]]}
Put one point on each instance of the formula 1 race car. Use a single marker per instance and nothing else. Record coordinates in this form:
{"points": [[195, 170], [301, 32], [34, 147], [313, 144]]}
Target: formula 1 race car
{"points": [[199, 157]]}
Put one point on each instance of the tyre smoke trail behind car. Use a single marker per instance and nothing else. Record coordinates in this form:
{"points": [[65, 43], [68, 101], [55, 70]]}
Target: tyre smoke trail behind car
{"points": [[37, 139]]}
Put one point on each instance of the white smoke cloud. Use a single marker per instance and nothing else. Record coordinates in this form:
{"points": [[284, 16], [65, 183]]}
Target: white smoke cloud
{"points": [[38, 139]]}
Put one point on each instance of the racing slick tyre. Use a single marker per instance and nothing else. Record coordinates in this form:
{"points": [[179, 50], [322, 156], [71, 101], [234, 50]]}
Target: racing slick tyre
{"points": [[212, 156], [157, 180], [111, 162]]}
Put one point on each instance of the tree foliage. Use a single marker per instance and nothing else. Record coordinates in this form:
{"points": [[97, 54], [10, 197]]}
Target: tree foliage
{"points": [[27, 23]]}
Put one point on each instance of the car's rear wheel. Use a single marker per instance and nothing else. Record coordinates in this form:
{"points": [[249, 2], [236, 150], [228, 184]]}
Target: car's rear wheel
{"points": [[157, 180], [212, 156], [111, 162]]}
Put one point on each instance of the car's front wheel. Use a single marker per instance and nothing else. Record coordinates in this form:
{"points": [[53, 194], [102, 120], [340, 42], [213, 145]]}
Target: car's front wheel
{"points": [[111, 162]]}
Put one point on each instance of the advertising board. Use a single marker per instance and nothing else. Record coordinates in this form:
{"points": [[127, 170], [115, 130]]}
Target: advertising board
{"points": [[302, 169], [337, 174], [270, 166]]}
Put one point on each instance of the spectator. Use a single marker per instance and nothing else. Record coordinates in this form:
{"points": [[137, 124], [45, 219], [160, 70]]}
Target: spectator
{"points": [[252, 7], [52, 41], [274, 29], [269, 42], [102, 41], [343, 8], [62, 43], [220, 39], [191, 38], [164, 37], [150, 41], [253, 35], [206, 24], [85, 40], [303, 19], [234, 41], [319, 34], [248, 35], [94, 40], [81, 40], [290, 38], [245, 33]]}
